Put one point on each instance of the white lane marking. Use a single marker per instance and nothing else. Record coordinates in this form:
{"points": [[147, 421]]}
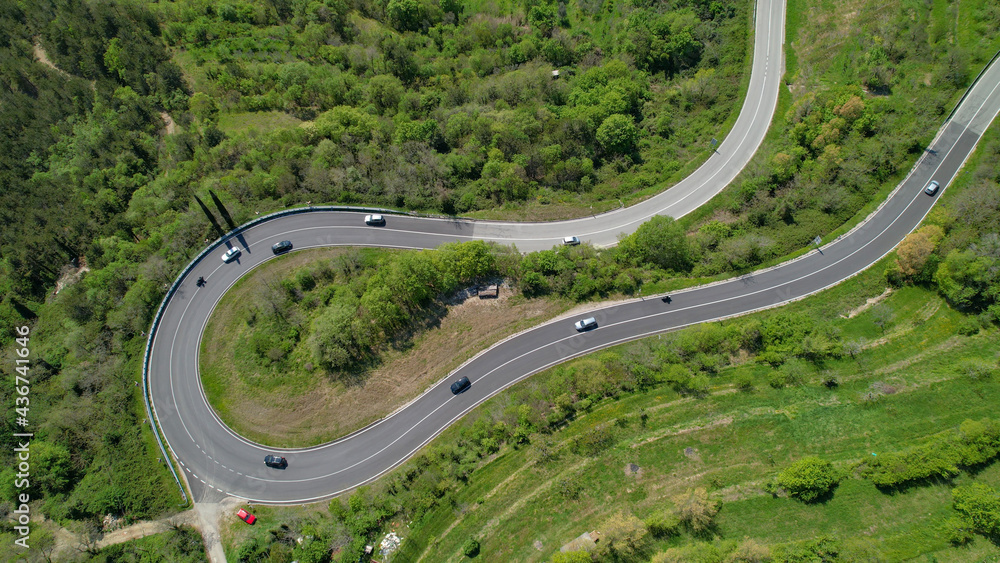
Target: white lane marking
{"points": [[630, 338], [771, 288]]}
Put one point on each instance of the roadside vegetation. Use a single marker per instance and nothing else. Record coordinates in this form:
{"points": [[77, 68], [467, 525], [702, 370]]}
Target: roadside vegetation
{"points": [[699, 444], [707, 443]]}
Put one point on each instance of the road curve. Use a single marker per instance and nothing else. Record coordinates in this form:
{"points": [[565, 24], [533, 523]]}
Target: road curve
{"points": [[217, 461]]}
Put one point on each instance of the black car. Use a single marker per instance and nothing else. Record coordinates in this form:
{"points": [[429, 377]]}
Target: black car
{"points": [[275, 461], [283, 246], [460, 385]]}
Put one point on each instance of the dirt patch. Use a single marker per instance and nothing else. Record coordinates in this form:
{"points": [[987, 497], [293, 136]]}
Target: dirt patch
{"points": [[867, 305], [320, 410], [633, 470], [692, 454], [68, 543], [42, 57], [148, 528], [586, 541], [171, 127], [69, 275]]}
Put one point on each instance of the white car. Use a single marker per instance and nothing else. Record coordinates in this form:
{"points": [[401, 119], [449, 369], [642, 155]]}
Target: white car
{"points": [[571, 241], [374, 220], [586, 324], [932, 188], [231, 255]]}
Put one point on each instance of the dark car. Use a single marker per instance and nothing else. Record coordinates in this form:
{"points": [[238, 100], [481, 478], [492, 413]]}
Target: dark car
{"points": [[460, 385], [275, 461], [283, 246]]}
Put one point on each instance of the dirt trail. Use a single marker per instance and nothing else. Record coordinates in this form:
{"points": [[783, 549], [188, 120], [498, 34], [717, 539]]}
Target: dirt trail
{"points": [[150, 527], [171, 126], [204, 517], [43, 58]]}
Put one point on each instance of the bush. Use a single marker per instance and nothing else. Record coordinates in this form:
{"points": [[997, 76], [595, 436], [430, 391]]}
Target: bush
{"points": [[979, 505], [957, 531], [695, 510], [571, 557], [974, 443], [808, 478], [593, 442], [471, 548], [663, 524], [744, 382], [622, 537], [976, 369], [749, 551]]}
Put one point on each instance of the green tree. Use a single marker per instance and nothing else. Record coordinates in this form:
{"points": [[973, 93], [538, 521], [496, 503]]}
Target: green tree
{"points": [[471, 548], [808, 478], [543, 18], [750, 551], [618, 135], [661, 242], [113, 58], [622, 537], [571, 557], [695, 510], [406, 15], [385, 91], [979, 504], [333, 344]]}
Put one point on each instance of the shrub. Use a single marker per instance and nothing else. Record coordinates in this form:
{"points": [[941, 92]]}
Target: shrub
{"points": [[571, 557], [957, 531], [471, 548], [976, 369], [622, 536], [808, 478], [663, 524], [695, 510], [923, 462], [593, 442], [749, 551], [974, 443], [744, 382], [979, 504]]}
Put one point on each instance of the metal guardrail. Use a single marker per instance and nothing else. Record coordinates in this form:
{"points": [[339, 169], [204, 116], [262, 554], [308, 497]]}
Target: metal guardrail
{"points": [[180, 278], [246, 226], [973, 85]]}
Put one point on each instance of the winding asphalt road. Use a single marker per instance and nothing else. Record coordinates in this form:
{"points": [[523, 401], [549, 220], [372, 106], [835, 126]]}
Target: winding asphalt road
{"points": [[218, 462]]}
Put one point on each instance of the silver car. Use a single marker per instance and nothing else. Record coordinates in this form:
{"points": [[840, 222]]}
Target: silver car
{"points": [[231, 254]]}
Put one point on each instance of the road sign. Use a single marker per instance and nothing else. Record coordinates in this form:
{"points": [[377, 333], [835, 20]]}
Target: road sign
{"points": [[817, 240]]}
